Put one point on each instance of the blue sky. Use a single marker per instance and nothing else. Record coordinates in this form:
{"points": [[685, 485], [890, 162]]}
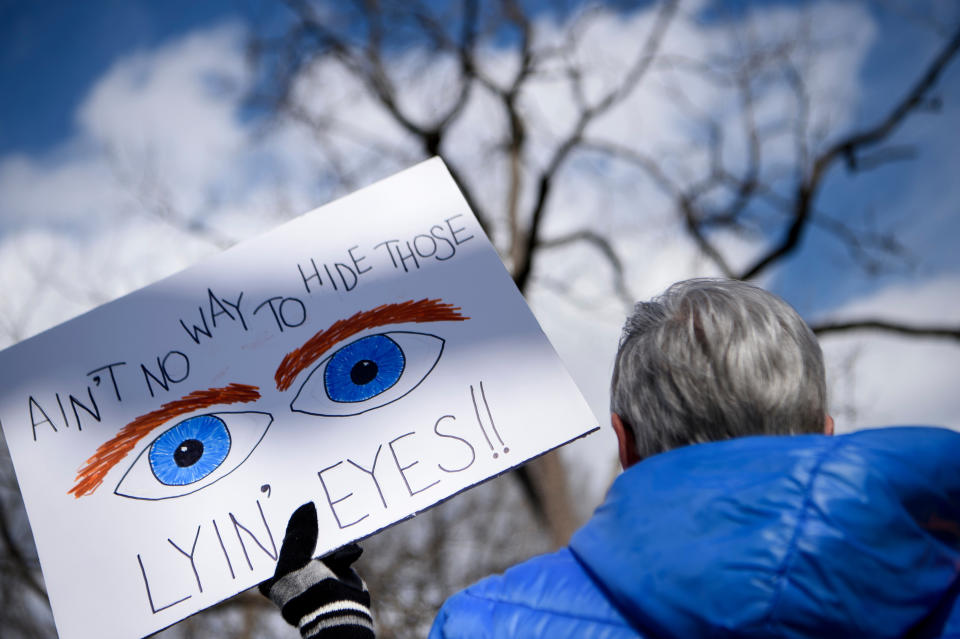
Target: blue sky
{"points": [[85, 78], [53, 51]]}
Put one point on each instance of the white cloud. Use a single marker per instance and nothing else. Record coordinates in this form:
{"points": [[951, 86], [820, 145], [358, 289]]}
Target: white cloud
{"points": [[175, 107], [881, 380], [70, 188]]}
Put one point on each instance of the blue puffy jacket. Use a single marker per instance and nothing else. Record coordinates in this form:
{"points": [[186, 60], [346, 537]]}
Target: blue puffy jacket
{"points": [[808, 536]]}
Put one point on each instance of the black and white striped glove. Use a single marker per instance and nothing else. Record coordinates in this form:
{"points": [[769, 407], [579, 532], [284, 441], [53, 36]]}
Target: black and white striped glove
{"points": [[325, 598]]}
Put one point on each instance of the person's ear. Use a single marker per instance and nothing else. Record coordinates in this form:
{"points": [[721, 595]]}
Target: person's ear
{"points": [[828, 425], [627, 443]]}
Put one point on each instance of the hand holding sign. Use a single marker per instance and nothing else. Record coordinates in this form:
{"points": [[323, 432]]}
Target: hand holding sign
{"points": [[325, 598]]}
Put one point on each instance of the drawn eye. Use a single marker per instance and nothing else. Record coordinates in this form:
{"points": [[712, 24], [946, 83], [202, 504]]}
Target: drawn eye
{"points": [[368, 373], [193, 454]]}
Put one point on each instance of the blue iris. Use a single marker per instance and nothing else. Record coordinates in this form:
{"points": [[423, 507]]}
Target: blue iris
{"points": [[363, 369], [190, 451]]}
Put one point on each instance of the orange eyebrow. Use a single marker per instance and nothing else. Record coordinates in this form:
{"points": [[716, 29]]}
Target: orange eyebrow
{"points": [[110, 452], [425, 310]]}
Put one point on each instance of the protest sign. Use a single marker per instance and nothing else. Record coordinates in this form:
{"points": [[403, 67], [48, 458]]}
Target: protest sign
{"points": [[372, 356]]}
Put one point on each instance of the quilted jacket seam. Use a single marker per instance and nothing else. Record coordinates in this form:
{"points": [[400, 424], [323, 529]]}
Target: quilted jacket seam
{"points": [[781, 580]]}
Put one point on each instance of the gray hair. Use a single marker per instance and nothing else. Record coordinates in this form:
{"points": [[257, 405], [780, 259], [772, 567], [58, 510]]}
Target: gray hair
{"points": [[715, 359]]}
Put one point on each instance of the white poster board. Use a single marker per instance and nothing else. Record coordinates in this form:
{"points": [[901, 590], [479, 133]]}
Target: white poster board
{"points": [[372, 356]]}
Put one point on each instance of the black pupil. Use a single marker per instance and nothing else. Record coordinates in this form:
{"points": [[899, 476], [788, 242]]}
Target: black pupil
{"points": [[188, 453], [363, 372]]}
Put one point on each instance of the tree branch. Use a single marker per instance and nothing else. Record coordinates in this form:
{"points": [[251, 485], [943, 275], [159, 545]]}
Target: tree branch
{"points": [[914, 99], [829, 328], [545, 181], [606, 249], [848, 147]]}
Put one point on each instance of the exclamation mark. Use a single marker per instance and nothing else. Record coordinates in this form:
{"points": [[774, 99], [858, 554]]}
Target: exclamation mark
{"points": [[493, 426]]}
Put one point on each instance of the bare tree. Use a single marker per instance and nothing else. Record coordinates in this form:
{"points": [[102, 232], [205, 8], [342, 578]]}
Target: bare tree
{"points": [[456, 32], [771, 207], [793, 203]]}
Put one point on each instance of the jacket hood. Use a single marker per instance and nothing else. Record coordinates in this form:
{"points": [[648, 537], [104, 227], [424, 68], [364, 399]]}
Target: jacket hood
{"points": [[802, 536]]}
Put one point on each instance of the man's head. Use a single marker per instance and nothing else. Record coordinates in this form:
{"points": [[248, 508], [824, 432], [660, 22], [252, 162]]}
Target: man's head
{"points": [[715, 359]]}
